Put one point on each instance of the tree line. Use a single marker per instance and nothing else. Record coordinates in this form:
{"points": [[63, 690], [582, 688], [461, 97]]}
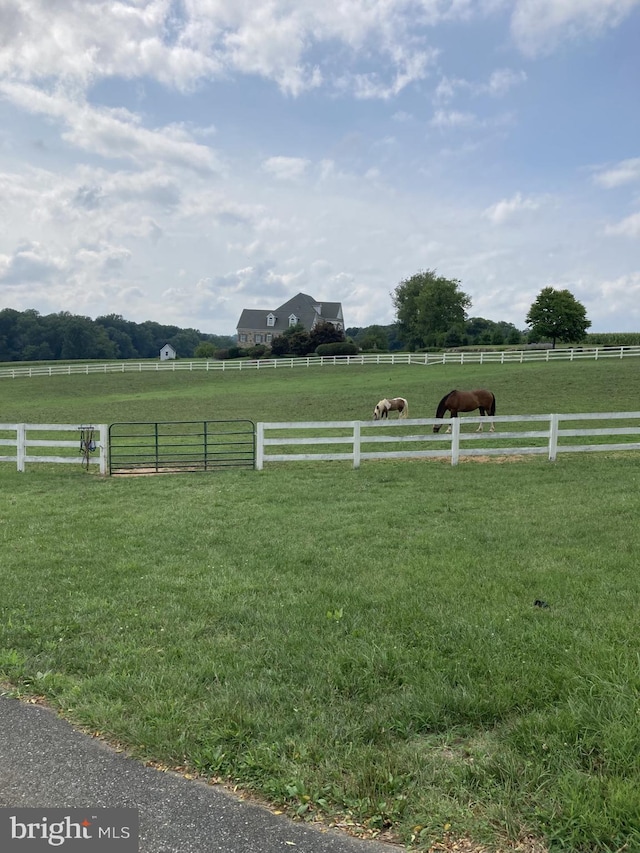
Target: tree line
{"points": [[431, 313], [30, 336]]}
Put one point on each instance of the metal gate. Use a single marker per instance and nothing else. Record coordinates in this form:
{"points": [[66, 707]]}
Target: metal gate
{"points": [[175, 446]]}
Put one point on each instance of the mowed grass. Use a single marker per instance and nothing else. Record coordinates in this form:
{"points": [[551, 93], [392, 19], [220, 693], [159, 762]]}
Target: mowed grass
{"points": [[362, 642]]}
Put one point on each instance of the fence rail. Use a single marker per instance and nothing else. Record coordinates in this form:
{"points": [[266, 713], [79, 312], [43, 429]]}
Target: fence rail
{"points": [[495, 357], [545, 434], [87, 440]]}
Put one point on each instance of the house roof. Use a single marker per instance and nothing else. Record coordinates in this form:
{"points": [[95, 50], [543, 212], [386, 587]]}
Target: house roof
{"points": [[307, 309]]}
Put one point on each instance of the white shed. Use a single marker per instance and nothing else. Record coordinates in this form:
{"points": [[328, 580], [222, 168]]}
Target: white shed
{"points": [[167, 352]]}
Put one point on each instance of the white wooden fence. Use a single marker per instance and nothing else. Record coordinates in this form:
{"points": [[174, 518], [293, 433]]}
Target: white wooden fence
{"points": [[498, 357], [23, 441], [404, 439], [547, 432]]}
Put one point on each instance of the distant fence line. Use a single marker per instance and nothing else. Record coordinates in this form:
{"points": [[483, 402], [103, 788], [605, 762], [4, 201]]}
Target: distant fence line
{"points": [[426, 358], [359, 435]]}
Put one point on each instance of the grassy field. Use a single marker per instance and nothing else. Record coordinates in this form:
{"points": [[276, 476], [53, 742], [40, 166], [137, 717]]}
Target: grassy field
{"points": [[361, 643], [318, 393]]}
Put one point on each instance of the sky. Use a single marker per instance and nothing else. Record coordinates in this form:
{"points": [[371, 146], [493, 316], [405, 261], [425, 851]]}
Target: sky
{"points": [[180, 160]]}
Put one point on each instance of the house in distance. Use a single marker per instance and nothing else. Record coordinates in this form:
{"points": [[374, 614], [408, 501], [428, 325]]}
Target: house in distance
{"points": [[260, 326]]}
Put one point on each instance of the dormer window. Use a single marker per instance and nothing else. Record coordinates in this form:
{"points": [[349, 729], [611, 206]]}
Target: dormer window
{"points": [[292, 319], [271, 320]]}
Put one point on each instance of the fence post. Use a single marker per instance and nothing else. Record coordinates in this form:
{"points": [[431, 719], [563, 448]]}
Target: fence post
{"points": [[553, 437], [104, 432], [259, 446], [455, 440], [356, 444], [21, 435]]}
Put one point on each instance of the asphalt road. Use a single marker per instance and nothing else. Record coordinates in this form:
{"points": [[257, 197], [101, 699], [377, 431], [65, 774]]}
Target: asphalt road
{"points": [[45, 762]]}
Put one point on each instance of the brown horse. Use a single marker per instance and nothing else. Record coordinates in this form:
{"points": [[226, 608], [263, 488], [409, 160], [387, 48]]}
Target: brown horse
{"points": [[467, 401], [396, 404]]}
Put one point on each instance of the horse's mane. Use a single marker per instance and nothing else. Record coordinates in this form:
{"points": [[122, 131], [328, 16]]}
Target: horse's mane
{"points": [[441, 405]]}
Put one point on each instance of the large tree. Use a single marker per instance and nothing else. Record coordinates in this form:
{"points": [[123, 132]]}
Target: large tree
{"points": [[558, 315], [324, 333], [428, 307], [295, 340]]}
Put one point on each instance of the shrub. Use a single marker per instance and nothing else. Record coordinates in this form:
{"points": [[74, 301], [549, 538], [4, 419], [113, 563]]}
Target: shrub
{"points": [[259, 351], [337, 348], [231, 352]]}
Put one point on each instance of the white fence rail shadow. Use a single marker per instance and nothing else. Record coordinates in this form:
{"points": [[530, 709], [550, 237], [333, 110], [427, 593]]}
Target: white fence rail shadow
{"points": [[497, 357], [74, 451], [545, 434]]}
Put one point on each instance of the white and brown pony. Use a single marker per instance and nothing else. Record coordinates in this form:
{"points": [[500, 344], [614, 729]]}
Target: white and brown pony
{"points": [[397, 404]]}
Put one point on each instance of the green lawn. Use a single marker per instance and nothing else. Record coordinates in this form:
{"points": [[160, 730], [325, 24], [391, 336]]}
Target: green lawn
{"points": [[340, 641]]}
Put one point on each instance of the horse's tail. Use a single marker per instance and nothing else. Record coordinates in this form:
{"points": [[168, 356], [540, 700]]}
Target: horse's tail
{"points": [[442, 405], [405, 410], [492, 407]]}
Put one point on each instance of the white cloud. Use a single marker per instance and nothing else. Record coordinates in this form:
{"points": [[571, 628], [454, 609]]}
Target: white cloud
{"points": [[505, 209], [538, 26], [31, 262], [625, 172], [500, 81], [183, 44], [286, 168], [289, 42], [629, 227], [622, 291], [113, 133], [84, 40], [617, 301], [503, 80], [411, 67], [453, 118], [103, 260]]}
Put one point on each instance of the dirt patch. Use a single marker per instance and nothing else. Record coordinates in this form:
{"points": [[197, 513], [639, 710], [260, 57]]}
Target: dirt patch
{"points": [[148, 472]]}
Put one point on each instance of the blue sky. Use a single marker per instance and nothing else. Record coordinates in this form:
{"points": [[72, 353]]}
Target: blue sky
{"points": [[180, 160]]}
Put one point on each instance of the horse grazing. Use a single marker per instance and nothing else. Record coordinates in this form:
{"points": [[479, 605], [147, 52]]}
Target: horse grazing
{"points": [[397, 404], [467, 401]]}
